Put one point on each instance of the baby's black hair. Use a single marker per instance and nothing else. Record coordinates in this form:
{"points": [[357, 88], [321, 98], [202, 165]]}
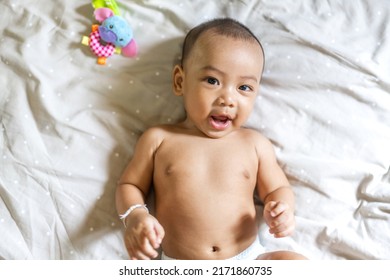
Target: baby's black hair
{"points": [[222, 26]]}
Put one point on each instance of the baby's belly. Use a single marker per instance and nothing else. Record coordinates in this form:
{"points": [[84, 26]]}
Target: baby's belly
{"points": [[214, 228]]}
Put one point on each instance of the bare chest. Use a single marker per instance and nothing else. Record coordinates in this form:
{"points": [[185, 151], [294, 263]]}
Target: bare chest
{"points": [[211, 163]]}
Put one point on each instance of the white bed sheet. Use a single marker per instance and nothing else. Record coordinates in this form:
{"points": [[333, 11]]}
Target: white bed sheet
{"points": [[69, 126]]}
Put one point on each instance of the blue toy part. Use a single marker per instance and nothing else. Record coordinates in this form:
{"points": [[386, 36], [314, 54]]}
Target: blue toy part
{"points": [[116, 30]]}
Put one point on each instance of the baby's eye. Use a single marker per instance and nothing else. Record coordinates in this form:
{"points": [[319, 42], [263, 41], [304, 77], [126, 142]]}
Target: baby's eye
{"points": [[245, 88], [212, 81]]}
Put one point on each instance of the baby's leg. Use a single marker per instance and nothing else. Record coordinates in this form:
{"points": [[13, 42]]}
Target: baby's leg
{"points": [[281, 255]]}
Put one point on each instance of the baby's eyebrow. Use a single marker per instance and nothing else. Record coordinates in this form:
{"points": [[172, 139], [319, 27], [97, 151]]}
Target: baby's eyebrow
{"points": [[244, 77], [212, 68], [249, 78]]}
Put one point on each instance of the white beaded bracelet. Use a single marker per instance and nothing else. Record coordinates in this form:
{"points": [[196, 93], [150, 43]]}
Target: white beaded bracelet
{"points": [[131, 209]]}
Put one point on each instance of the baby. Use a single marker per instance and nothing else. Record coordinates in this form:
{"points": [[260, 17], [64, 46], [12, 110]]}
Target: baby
{"points": [[205, 169]]}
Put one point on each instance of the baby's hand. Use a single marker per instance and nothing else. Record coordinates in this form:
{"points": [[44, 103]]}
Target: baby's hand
{"points": [[143, 236], [280, 218]]}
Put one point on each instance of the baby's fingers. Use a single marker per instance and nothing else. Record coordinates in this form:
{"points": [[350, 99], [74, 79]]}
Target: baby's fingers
{"points": [[282, 230], [142, 251], [138, 255], [135, 252], [148, 250], [283, 225], [160, 233], [150, 243], [155, 234], [276, 208]]}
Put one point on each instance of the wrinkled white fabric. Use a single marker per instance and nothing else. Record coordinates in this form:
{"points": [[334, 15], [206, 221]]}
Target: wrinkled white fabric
{"points": [[69, 126]]}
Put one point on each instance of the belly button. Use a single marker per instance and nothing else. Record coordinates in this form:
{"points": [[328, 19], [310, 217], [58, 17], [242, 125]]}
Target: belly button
{"points": [[215, 249]]}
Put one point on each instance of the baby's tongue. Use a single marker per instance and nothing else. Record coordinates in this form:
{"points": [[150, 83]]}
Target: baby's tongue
{"points": [[220, 122]]}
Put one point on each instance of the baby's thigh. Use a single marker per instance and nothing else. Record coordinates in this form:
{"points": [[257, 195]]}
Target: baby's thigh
{"points": [[281, 255]]}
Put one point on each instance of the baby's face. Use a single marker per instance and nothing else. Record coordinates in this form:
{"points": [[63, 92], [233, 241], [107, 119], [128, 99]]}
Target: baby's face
{"points": [[220, 81]]}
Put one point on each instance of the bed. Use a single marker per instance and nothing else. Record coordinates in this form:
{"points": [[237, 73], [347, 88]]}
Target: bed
{"points": [[68, 126]]}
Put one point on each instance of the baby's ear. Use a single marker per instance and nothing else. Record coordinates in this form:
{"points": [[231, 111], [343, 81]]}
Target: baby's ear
{"points": [[178, 78]]}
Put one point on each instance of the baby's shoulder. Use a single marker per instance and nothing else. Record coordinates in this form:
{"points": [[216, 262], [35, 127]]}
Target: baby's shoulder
{"points": [[253, 135], [158, 133], [261, 143], [152, 138]]}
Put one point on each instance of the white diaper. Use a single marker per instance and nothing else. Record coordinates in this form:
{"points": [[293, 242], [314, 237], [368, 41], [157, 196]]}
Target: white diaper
{"points": [[250, 253]]}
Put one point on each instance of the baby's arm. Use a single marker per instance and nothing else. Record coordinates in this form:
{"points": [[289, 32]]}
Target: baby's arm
{"points": [[143, 234], [275, 191]]}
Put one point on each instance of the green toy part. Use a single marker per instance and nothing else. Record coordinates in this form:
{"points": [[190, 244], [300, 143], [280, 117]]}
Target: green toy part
{"points": [[111, 4]]}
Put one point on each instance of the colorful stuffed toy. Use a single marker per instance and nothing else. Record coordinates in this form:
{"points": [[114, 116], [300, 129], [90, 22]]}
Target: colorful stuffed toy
{"points": [[113, 35]]}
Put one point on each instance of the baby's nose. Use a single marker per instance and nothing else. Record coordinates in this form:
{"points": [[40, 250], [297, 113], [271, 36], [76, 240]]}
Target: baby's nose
{"points": [[226, 99]]}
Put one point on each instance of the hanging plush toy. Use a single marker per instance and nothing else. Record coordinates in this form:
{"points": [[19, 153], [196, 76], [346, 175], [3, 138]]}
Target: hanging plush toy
{"points": [[113, 34]]}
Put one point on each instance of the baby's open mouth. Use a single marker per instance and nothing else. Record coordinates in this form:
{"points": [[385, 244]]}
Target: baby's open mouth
{"points": [[220, 122]]}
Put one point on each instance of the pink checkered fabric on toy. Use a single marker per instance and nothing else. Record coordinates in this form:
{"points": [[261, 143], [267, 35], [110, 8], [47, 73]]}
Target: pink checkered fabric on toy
{"points": [[97, 48]]}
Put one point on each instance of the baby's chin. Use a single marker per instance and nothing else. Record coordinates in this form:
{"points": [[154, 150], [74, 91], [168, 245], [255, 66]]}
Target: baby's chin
{"points": [[217, 134]]}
